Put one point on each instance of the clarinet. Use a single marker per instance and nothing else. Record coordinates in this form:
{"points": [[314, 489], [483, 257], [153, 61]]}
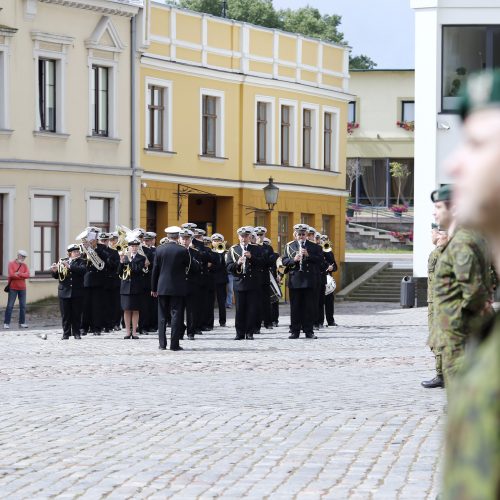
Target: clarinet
{"points": [[302, 245], [243, 269]]}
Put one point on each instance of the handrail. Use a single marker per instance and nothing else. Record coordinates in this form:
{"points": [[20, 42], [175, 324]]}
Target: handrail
{"points": [[370, 228]]}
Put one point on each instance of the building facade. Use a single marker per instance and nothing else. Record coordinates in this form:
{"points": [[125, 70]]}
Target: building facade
{"points": [[65, 135], [224, 107], [453, 38], [381, 125]]}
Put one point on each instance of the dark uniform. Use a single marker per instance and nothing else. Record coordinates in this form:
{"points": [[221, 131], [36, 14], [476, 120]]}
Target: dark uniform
{"points": [[148, 320], [269, 263], [193, 294], [112, 290], [301, 282], [247, 287], [70, 293], [326, 304], [131, 273], [220, 289]]}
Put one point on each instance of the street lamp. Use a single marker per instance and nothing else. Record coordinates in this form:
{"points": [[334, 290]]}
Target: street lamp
{"points": [[271, 192], [224, 8]]}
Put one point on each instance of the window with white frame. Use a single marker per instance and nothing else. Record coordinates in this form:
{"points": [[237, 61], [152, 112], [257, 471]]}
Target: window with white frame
{"points": [[351, 112], [264, 131], [100, 213], [212, 123], [100, 100], [47, 94], [330, 139], [309, 136], [158, 114], [408, 111], [46, 222], [286, 131]]}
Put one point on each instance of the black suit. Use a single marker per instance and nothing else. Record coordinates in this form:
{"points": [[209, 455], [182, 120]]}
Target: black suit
{"points": [[148, 319], [168, 279], [193, 295], [247, 286], [70, 293], [301, 282], [327, 303], [112, 285], [265, 303], [220, 289]]}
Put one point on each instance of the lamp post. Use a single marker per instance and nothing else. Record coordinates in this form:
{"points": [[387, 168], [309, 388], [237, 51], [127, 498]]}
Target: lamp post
{"points": [[271, 192], [224, 8]]}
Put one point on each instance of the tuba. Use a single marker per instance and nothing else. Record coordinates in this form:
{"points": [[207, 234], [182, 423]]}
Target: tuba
{"points": [[327, 247], [219, 247], [86, 249]]}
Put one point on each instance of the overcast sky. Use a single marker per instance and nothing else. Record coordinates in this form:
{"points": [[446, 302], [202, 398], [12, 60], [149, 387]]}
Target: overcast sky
{"points": [[381, 29]]}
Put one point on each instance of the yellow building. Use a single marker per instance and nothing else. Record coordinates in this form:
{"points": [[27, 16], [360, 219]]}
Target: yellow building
{"points": [[226, 105], [65, 135]]}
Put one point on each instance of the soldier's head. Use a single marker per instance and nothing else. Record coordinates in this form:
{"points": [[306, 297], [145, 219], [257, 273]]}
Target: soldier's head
{"points": [[300, 230], [244, 234], [443, 214], [311, 234], [475, 164]]}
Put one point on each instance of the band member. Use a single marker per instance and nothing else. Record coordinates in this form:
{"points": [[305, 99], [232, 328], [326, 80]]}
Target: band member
{"points": [[193, 285], [302, 257], [70, 273], [275, 299], [220, 275], [131, 271], [245, 261], [319, 276], [270, 262], [327, 302], [169, 284], [148, 320], [113, 284], [94, 308]]}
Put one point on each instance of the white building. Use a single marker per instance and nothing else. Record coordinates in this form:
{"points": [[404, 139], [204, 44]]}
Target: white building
{"points": [[453, 38]]}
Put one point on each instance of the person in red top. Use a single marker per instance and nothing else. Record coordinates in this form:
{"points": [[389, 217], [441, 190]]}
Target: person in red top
{"points": [[18, 274]]}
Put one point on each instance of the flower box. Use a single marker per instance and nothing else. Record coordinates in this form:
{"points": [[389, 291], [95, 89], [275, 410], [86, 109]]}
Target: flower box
{"points": [[409, 126], [351, 126]]}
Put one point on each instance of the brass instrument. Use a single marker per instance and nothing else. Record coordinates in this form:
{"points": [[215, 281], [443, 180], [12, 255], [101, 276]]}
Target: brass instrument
{"points": [[62, 270], [327, 247], [87, 250], [219, 247]]}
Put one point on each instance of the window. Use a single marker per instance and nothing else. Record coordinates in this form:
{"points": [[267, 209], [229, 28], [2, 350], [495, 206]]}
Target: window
{"points": [[351, 112], [209, 126], [326, 225], [327, 144], [260, 219], [283, 231], [100, 100], [99, 213], [408, 111], [47, 94], [466, 49], [46, 232], [306, 137], [285, 134], [156, 110], [261, 132], [4, 101], [307, 219], [1, 232]]}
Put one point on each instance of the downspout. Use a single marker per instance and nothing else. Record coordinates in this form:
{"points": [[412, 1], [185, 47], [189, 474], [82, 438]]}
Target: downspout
{"points": [[133, 165]]}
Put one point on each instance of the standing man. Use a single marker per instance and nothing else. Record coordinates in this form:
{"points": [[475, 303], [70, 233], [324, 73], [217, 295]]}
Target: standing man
{"points": [[18, 274], [168, 283], [461, 286], [270, 262], [148, 320], [70, 273], [472, 460], [244, 261], [327, 302], [302, 258], [220, 275], [319, 276]]}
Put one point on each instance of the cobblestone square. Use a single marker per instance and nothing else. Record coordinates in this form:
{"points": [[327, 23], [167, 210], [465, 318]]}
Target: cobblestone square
{"points": [[343, 416]]}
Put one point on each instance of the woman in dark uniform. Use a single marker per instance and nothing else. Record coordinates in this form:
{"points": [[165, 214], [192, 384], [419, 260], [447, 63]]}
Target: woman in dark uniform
{"points": [[131, 272]]}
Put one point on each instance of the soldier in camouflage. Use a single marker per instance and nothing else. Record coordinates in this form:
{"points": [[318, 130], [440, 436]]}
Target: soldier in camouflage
{"points": [[439, 239], [461, 286], [472, 459]]}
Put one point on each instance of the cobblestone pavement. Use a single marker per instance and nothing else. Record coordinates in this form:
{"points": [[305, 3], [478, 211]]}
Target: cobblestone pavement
{"points": [[342, 416]]}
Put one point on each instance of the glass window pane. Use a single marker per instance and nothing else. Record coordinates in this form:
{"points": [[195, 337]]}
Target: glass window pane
{"points": [[157, 121], [408, 111], [352, 112], [45, 209], [211, 136], [103, 78], [285, 146], [98, 210], [307, 147], [307, 118], [285, 114], [262, 142]]}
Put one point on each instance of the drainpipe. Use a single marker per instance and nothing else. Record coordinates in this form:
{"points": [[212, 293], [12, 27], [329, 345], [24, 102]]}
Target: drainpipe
{"points": [[133, 165]]}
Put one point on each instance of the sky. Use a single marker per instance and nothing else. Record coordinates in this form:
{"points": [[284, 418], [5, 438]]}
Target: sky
{"points": [[381, 29]]}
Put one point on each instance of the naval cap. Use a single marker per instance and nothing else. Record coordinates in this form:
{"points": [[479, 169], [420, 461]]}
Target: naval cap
{"points": [[173, 230], [482, 91], [73, 247], [217, 236], [301, 227]]}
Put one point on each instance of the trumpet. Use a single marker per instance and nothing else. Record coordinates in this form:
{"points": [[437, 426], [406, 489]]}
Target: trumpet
{"points": [[327, 246], [219, 247]]}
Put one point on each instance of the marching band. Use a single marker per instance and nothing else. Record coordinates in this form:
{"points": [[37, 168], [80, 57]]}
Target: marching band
{"points": [[121, 279]]}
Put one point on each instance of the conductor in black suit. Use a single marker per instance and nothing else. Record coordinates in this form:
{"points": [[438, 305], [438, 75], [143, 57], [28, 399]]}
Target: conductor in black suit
{"points": [[302, 258], [169, 284], [70, 273]]}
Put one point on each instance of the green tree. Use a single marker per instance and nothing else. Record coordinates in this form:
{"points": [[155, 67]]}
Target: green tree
{"points": [[361, 62], [400, 172], [213, 7]]}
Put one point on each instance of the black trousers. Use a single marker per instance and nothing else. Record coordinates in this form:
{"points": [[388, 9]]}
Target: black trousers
{"points": [[220, 294], [316, 301], [191, 313], [265, 304], [176, 305], [148, 319], [302, 310], [94, 308], [206, 307], [330, 308], [275, 311], [320, 314], [71, 314], [247, 307]]}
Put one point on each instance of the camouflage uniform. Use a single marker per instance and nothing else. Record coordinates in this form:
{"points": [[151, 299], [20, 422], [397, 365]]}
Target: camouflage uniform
{"points": [[472, 465], [461, 292], [432, 340]]}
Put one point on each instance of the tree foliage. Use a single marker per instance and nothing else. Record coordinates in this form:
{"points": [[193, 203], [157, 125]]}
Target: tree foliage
{"points": [[361, 62]]}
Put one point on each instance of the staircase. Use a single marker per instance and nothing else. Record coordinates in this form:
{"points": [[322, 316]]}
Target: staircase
{"points": [[385, 286]]}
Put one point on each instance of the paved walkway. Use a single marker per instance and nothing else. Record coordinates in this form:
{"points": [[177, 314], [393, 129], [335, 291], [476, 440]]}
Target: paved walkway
{"points": [[342, 416]]}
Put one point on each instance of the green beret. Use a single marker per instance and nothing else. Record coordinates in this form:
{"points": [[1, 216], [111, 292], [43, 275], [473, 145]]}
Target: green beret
{"points": [[482, 91], [441, 194]]}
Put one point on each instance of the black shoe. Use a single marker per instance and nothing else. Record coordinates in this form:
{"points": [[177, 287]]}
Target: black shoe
{"points": [[117, 328], [77, 337], [437, 381], [97, 333], [275, 323], [135, 337], [222, 325], [311, 336], [316, 327], [250, 336], [65, 337], [257, 332], [127, 337], [239, 338], [294, 336], [333, 324], [107, 330], [198, 332], [178, 348], [190, 337], [268, 327], [162, 348]]}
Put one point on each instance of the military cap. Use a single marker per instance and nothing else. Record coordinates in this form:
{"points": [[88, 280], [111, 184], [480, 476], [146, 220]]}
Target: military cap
{"points": [[260, 230], [199, 232], [301, 227], [73, 247], [207, 239], [189, 225], [311, 230], [324, 237], [113, 235], [244, 230], [103, 236], [133, 241], [186, 233], [266, 241], [217, 236], [482, 91], [441, 194], [317, 236], [139, 232], [149, 235], [173, 230]]}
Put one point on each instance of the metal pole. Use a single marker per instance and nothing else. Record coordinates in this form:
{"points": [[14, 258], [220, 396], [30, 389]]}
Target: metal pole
{"points": [[133, 165], [224, 8]]}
